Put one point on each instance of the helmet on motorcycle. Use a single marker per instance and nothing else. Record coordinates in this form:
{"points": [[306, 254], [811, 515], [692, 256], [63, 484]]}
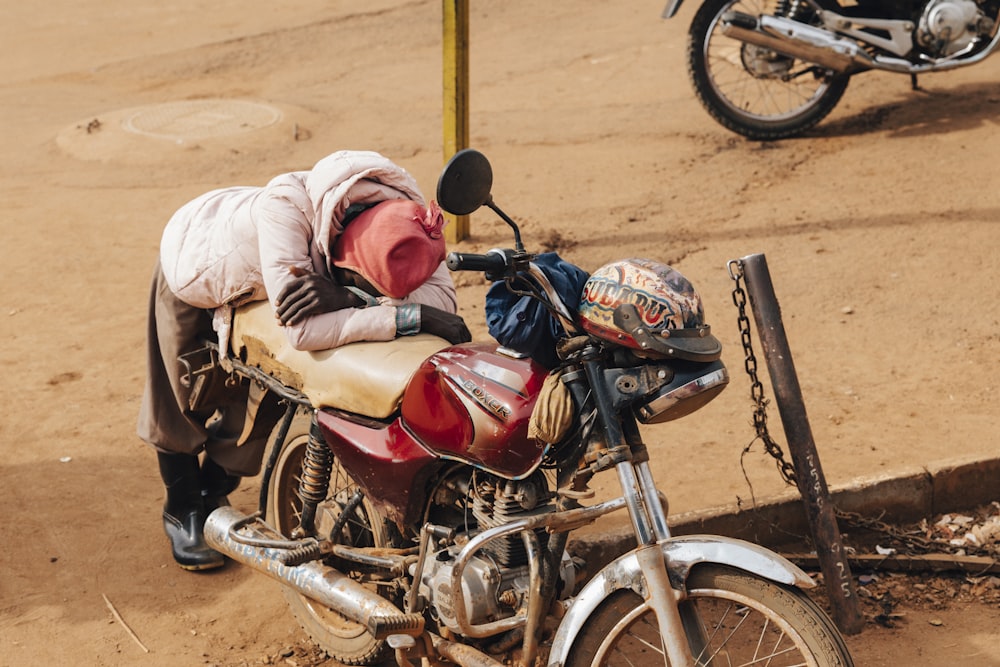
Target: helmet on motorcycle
{"points": [[650, 307]]}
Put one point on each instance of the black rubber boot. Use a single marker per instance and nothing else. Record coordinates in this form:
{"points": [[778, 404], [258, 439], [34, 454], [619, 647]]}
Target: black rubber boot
{"points": [[184, 513], [216, 485]]}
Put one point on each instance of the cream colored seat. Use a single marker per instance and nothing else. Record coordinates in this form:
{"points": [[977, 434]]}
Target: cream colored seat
{"points": [[364, 378]]}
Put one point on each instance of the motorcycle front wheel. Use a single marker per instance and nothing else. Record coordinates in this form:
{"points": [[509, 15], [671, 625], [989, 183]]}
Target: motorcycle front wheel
{"points": [[343, 639], [732, 617], [752, 90]]}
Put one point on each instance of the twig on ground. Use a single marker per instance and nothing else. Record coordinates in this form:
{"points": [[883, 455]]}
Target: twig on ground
{"points": [[118, 617]]}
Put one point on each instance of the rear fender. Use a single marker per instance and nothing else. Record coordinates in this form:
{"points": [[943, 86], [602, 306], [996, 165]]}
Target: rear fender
{"points": [[682, 554]]}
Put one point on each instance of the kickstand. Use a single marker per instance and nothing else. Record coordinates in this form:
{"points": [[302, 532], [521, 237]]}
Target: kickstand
{"points": [[913, 82]]}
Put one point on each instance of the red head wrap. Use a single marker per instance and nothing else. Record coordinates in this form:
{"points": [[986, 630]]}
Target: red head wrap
{"points": [[395, 245]]}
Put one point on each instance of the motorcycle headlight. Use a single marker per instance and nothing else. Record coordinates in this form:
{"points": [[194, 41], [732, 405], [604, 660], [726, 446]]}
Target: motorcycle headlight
{"points": [[692, 386]]}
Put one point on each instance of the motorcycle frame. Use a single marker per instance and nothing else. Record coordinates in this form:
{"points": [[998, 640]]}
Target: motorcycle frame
{"points": [[656, 569]]}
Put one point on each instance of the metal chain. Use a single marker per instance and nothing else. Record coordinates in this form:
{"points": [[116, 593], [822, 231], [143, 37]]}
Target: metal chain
{"points": [[785, 468], [914, 540], [910, 540], [915, 543]]}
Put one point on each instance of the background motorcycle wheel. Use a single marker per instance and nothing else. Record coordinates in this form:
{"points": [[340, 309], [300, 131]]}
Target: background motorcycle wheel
{"points": [[342, 639], [751, 90], [734, 618]]}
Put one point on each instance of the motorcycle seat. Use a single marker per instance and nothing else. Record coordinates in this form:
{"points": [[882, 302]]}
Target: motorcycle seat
{"points": [[366, 378]]}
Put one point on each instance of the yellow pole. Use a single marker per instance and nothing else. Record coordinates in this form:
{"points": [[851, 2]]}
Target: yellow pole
{"points": [[456, 95]]}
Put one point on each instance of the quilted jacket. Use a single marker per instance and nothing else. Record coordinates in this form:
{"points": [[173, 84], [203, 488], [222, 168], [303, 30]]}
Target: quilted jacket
{"points": [[235, 245]]}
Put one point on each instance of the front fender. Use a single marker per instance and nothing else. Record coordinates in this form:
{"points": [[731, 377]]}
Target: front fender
{"points": [[681, 554]]}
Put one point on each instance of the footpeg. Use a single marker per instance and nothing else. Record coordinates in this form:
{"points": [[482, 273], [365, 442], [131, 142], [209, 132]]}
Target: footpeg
{"points": [[382, 627]]}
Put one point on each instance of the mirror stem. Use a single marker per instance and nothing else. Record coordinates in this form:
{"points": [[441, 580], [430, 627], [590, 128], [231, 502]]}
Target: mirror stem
{"points": [[518, 246]]}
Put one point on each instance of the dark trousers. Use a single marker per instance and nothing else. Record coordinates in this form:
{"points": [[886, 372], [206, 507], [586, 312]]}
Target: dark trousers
{"points": [[166, 421]]}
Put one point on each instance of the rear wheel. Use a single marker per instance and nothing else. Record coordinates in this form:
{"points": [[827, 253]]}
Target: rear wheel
{"points": [[732, 618], [343, 639], [753, 90]]}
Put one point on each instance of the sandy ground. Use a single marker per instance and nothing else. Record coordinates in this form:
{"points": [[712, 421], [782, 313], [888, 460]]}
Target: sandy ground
{"points": [[880, 229]]}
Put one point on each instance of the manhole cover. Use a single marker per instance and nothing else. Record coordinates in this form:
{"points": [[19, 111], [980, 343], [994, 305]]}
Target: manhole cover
{"points": [[200, 119]]}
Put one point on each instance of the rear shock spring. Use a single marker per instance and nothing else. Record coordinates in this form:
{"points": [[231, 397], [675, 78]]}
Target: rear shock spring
{"points": [[315, 481]]}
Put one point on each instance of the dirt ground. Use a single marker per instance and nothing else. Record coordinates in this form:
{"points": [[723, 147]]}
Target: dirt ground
{"points": [[880, 229]]}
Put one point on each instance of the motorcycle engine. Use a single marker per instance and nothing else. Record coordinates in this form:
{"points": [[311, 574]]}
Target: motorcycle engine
{"points": [[495, 581], [948, 26]]}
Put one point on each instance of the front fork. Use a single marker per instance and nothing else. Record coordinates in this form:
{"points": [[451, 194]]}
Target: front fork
{"points": [[648, 515], [650, 523]]}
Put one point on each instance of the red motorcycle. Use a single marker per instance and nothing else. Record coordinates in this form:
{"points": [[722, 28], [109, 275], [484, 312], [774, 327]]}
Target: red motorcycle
{"points": [[418, 497]]}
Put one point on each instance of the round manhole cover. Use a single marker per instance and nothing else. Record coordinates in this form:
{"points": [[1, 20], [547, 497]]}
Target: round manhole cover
{"points": [[200, 119]]}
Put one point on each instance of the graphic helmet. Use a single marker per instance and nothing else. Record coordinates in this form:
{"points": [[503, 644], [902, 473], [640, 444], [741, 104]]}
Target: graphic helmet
{"points": [[649, 307]]}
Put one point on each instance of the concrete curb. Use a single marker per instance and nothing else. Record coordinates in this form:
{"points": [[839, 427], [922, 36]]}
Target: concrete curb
{"points": [[902, 497]]}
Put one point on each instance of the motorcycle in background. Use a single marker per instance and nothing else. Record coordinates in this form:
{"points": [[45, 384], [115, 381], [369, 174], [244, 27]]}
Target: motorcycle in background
{"points": [[770, 69], [419, 497]]}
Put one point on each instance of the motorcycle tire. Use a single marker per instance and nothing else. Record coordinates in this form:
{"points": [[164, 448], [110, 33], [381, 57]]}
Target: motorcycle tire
{"points": [[733, 618], [752, 90], [343, 639]]}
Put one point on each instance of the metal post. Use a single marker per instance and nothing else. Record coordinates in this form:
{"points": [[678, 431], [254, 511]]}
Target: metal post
{"points": [[456, 95], [808, 472]]}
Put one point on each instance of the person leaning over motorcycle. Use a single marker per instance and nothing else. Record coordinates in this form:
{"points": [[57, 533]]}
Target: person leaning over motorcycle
{"points": [[307, 241]]}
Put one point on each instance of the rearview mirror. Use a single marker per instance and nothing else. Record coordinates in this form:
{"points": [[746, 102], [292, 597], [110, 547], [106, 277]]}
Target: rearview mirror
{"points": [[465, 182]]}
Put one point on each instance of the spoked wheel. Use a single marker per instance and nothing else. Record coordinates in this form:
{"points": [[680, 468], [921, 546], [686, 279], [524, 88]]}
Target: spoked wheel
{"points": [[343, 639], [733, 618], [752, 90]]}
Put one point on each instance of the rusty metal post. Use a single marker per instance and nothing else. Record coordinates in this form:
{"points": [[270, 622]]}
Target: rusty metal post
{"points": [[805, 459]]}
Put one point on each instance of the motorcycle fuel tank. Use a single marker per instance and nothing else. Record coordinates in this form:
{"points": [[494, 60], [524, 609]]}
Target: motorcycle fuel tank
{"points": [[472, 404]]}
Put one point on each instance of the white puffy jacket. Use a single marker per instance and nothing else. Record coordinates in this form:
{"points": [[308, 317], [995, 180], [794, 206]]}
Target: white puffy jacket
{"points": [[236, 245]]}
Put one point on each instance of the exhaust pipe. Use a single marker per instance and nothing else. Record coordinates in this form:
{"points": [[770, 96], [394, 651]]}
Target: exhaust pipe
{"points": [[797, 40], [316, 581]]}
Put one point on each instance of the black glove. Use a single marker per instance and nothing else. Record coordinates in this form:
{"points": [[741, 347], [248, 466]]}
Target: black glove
{"points": [[443, 325], [311, 294]]}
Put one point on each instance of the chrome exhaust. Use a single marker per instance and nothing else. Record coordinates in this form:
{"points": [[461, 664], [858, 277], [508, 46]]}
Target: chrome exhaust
{"points": [[223, 532], [797, 40]]}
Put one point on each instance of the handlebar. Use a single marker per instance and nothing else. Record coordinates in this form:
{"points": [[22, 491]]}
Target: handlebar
{"points": [[499, 264], [493, 263]]}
